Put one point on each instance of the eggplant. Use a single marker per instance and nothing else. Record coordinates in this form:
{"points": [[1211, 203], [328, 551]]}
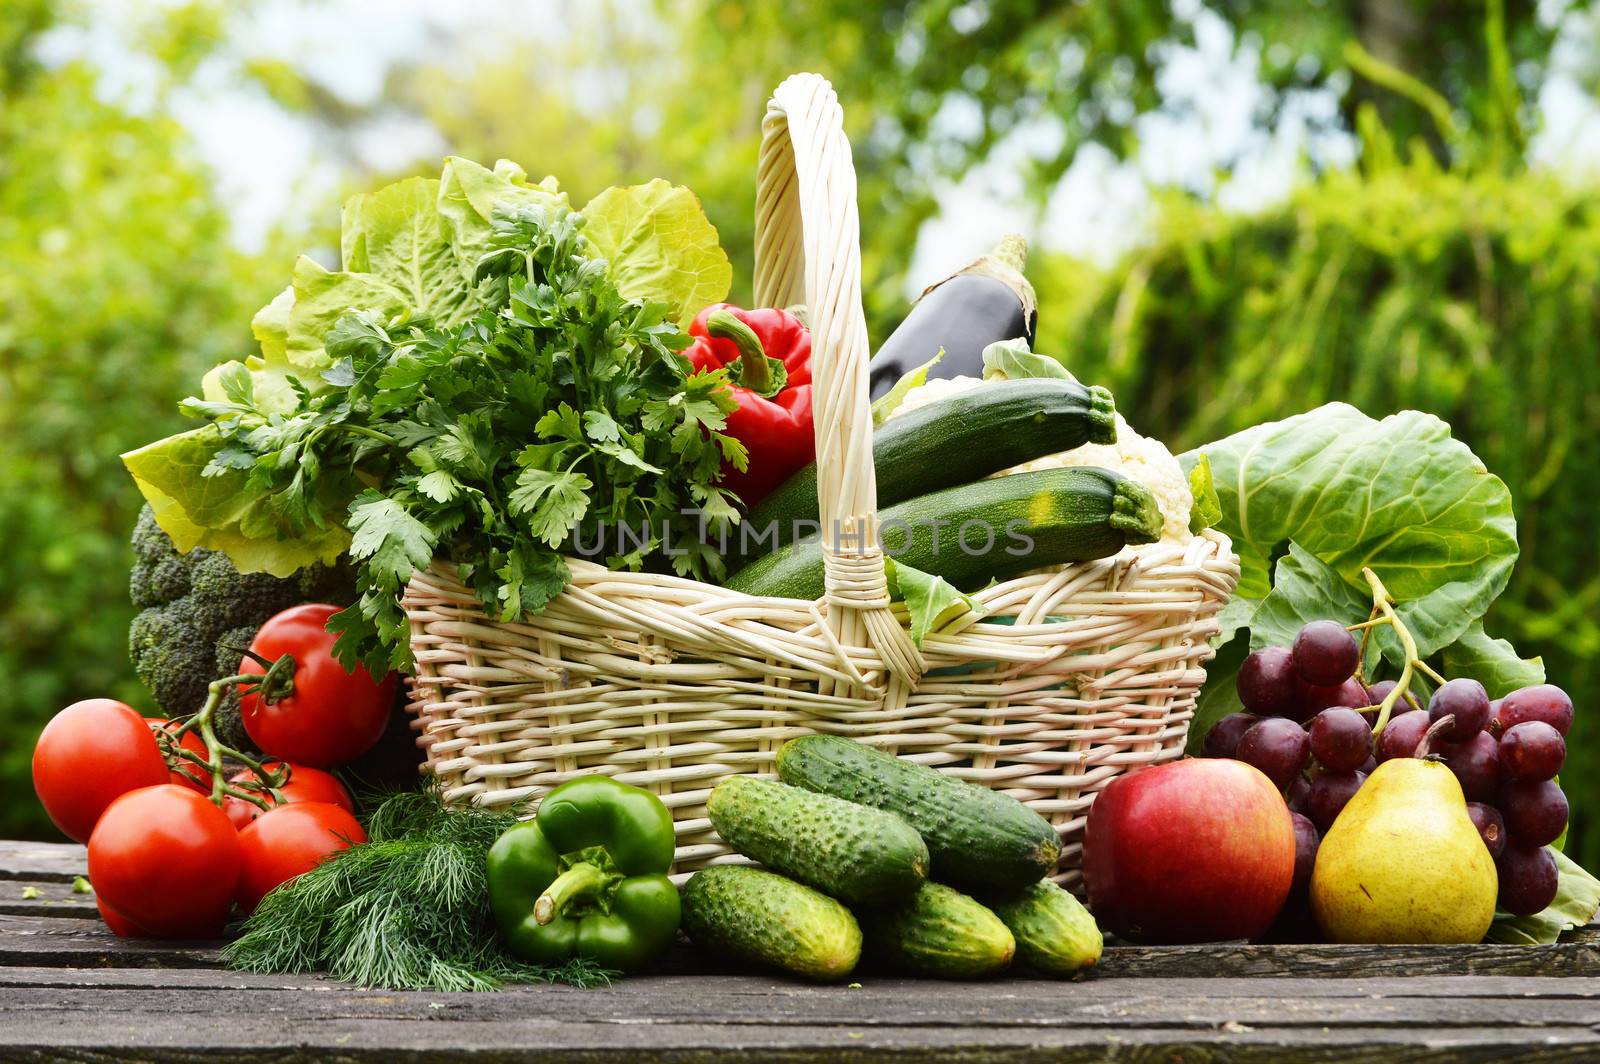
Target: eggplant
{"points": [[985, 301]]}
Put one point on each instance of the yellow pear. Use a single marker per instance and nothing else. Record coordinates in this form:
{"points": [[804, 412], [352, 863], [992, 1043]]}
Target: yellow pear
{"points": [[1404, 863]]}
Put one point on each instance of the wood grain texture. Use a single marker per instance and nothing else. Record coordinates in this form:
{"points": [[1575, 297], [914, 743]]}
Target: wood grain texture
{"points": [[42, 861], [70, 990]]}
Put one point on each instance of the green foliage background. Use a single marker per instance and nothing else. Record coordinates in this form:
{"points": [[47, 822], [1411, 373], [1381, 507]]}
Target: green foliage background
{"points": [[1441, 274], [117, 286]]}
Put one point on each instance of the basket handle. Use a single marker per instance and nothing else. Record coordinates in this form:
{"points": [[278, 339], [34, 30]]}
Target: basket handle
{"points": [[808, 250]]}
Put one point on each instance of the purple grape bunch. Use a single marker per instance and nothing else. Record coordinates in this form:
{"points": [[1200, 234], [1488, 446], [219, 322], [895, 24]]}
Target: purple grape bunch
{"points": [[1306, 726]]}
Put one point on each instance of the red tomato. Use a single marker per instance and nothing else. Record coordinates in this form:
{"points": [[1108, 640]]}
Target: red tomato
{"points": [[90, 754], [186, 774], [333, 716], [167, 861], [120, 925], [305, 784], [286, 841]]}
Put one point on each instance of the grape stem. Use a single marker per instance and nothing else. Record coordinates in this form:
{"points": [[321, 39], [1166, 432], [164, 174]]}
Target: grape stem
{"points": [[1383, 603]]}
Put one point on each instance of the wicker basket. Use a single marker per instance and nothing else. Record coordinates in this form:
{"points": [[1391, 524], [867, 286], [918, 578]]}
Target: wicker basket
{"points": [[674, 685]]}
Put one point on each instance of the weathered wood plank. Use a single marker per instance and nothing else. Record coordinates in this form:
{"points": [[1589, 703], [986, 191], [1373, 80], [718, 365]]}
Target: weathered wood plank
{"points": [[44, 898], [764, 985], [896, 1003], [46, 861], [1340, 962], [245, 1037], [86, 942]]}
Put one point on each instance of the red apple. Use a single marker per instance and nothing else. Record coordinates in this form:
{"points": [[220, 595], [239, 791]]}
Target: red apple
{"points": [[1198, 850]]}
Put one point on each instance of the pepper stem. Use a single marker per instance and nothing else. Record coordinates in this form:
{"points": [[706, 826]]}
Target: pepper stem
{"points": [[758, 372], [582, 880]]}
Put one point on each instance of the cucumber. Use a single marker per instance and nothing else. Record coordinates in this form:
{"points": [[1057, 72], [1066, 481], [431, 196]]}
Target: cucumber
{"points": [[763, 917], [855, 853], [977, 838], [940, 932], [990, 530], [954, 441], [1055, 934]]}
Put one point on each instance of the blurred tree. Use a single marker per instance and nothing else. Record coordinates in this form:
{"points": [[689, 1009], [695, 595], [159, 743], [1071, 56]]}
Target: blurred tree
{"points": [[119, 288], [934, 86]]}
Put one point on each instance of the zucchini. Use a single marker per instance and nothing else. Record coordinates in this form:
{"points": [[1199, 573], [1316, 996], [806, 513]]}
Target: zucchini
{"points": [[987, 300], [977, 838], [855, 853], [761, 916], [939, 932], [1055, 934], [957, 440], [990, 530]]}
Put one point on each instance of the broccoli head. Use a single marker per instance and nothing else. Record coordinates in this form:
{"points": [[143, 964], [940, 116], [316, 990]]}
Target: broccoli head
{"points": [[196, 604], [172, 658]]}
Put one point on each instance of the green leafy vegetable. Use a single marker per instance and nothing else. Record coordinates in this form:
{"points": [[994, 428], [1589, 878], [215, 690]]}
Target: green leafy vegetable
{"points": [[931, 600], [558, 419], [410, 253], [406, 910], [660, 246], [1207, 509], [1012, 360], [1577, 901], [890, 401], [201, 505], [1398, 495]]}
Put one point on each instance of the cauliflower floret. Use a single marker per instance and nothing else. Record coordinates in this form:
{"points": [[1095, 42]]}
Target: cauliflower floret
{"points": [[933, 391], [1141, 459]]}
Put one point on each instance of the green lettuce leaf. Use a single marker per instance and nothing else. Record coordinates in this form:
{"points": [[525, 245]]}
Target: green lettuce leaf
{"points": [[1398, 495], [660, 246], [890, 401], [1011, 360], [1577, 901], [469, 194], [397, 234], [931, 600], [216, 512], [322, 297], [270, 326]]}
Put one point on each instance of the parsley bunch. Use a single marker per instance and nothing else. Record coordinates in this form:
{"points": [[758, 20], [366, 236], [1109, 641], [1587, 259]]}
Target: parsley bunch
{"points": [[558, 417]]}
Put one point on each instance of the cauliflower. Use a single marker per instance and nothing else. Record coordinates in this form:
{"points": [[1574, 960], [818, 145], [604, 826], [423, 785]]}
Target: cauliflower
{"points": [[1141, 459]]}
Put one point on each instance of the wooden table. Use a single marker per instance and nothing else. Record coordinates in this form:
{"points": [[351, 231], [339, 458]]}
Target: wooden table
{"points": [[71, 990]]}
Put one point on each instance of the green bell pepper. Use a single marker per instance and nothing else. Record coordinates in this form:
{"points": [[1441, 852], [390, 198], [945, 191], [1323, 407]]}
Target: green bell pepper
{"points": [[587, 877]]}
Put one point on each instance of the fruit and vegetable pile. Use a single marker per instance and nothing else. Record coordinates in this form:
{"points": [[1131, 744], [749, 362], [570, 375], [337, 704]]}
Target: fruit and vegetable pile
{"points": [[498, 381]]}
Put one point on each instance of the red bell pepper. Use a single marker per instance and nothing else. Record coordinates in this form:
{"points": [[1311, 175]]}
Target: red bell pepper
{"points": [[768, 354]]}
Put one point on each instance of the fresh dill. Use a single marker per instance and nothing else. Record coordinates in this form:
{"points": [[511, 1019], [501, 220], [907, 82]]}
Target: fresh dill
{"points": [[406, 910]]}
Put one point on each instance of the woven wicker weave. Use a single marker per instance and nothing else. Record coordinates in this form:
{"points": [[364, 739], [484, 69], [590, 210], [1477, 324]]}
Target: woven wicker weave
{"points": [[673, 685]]}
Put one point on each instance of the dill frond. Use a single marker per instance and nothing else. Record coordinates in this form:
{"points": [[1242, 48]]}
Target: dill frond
{"points": [[406, 910]]}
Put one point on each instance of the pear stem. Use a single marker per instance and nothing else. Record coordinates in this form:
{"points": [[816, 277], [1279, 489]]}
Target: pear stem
{"points": [[1424, 748]]}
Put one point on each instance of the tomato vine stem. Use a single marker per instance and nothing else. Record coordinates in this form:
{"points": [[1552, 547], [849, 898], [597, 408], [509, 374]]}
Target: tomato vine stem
{"points": [[265, 791]]}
